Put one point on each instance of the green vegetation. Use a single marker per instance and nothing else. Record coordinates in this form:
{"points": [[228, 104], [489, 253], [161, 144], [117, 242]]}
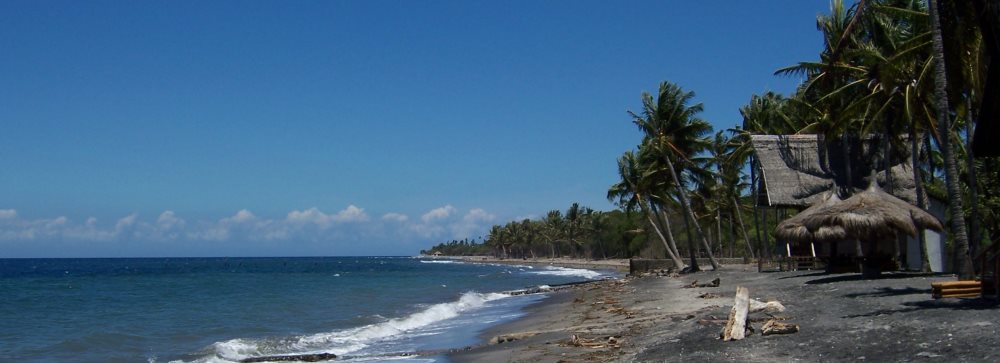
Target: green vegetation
{"points": [[915, 78], [580, 232]]}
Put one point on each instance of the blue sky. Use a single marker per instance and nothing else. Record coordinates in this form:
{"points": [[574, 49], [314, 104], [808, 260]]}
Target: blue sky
{"points": [[250, 128]]}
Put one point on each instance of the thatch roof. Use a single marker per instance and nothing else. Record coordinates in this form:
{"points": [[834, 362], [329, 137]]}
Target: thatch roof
{"points": [[871, 215], [797, 169], [793, 229]]}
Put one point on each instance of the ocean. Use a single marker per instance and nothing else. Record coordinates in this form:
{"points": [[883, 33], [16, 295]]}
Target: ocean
{"points": [[228, 309]]}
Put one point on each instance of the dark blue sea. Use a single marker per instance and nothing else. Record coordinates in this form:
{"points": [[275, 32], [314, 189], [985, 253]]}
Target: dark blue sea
{"points": [[227, 309]]}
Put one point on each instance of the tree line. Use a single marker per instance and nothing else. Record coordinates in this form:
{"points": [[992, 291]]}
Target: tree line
{"points": [[913, 73]]}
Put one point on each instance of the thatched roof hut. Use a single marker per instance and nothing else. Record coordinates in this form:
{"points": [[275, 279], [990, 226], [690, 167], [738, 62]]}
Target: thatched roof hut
{"points": [[872, 215], [794, 230], [796, 170]]}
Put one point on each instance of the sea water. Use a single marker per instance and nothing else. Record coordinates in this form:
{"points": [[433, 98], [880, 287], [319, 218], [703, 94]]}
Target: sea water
{"points": [[228, 309]]}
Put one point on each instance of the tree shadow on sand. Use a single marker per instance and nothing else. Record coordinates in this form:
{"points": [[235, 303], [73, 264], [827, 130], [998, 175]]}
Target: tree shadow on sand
{"points": [[948, 304], [834, 278], [890, 291], [814, 274]]}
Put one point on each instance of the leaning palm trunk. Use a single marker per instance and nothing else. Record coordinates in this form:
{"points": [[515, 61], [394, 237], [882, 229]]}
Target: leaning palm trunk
{"points": [[664, 222], [974, 235], [690, 215], [963, 262], [925, 265], [718, 231], [666, 244], [743, 228]]}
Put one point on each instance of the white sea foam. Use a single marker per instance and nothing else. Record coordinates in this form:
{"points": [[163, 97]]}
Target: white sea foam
{"points": [[350, 341], [439, 261], [566, 271]]}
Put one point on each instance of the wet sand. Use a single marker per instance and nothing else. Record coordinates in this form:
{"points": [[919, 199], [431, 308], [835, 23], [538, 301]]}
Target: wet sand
{"points": [[657, 319]]}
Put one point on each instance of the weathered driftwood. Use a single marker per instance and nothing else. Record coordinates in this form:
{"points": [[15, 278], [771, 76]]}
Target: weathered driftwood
{"points": [[714, 283], [596, 343], [503, 338], [736, 326], [770, 306], [773, 326], [316, 357]]}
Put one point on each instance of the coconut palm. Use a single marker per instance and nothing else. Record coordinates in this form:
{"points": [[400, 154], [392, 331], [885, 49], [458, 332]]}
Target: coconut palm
{"points": [[963, 262], [631, 192], [673, 130], [729, 164]]}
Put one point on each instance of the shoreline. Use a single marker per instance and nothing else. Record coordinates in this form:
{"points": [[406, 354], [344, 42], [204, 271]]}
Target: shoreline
{"points": [[656, 318], [618, 265]]}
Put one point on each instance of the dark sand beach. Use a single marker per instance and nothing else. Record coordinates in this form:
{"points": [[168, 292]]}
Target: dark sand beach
{"points": [[657, 319]]}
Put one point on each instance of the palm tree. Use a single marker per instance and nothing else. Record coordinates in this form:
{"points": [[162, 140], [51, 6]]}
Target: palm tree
{"points": [[674, 131], [729, 164], [963, 262], [552, 231], [630, 192]]}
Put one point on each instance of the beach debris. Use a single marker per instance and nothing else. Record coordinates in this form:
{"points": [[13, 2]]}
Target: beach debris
{"points": [[317, 357], [709, 295], [714, 283], [620, 311], [770, 306], [950, 289], [682, 317], [595, 343], [504, 338], [773, 326], [736, 327], [711, 320], [766, 318]]}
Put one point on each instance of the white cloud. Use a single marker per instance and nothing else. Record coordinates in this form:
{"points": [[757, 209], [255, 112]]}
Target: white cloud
{"points": [[351, 214], [478, 215], [395, 217], [350, 223], [475, 220], [169, 220], [58, 222], [310, 216], [125, 222], [8, 213], [438, 213], [241, 217]]}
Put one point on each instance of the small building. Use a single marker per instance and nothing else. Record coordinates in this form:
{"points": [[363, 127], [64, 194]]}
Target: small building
{"points": [[795, 171]]}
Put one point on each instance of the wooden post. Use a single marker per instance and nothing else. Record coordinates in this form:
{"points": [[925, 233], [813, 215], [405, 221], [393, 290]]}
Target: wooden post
{"points": [[737, 324]]}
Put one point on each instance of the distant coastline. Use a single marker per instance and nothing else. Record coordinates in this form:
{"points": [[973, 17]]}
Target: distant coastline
{"points": [[616, 264]]}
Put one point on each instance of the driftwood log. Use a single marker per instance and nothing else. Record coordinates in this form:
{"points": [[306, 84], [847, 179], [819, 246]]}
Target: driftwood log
{"points": [[773, 326], [736, 326], [714, 283], [511, 337], [770, 306]]}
